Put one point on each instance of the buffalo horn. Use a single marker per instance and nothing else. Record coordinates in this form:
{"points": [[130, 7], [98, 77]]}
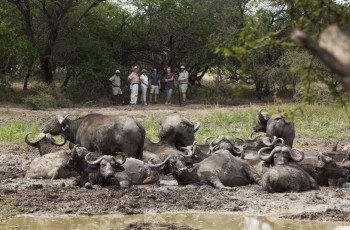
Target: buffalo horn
{"points": [[244, 142], [251, 136], [265, 158], [325, 159], [207, 138], [93, 162], [36, 140], [153, 142], [151, 165], [281, 140], [198, 125], [269, 144], [261, 117], [294, 157], [55, 142], [122, 161], [61, 119]]}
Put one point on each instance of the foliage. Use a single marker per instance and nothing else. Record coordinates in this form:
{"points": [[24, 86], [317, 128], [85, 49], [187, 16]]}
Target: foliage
{"points": [[263, 45]]}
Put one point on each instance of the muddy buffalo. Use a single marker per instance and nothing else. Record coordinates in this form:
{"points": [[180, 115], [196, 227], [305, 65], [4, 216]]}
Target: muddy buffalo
{"points": [[275, 125], [177, 130], [110, 134], [325, 170], [285, 174], [107, 170], [221, 170]]}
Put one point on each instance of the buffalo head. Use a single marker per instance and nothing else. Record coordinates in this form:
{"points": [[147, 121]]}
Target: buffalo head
{"points": [[281, 154], [263, 118], [327, 167], [56, 125], [174, 162], [107, 165]]}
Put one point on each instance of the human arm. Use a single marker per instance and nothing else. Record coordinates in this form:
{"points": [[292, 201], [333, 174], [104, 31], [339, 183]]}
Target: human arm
{"points": [[144, 82], [159, 84]]}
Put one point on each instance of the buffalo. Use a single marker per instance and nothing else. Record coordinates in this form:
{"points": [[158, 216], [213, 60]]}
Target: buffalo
{"points": [[285, 174], [221, 170], [108, 133], [275, 125], [53, 161], [177, 130], [325, 170], [107, 170]]}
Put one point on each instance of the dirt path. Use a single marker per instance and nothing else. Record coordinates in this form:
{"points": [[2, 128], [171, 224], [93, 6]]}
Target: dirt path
{"points": [[59, 197]]}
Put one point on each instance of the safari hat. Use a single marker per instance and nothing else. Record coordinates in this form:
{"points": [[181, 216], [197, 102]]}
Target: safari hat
{"points": [[117, 71], [135, 67], [182, 67], [143, 71]]}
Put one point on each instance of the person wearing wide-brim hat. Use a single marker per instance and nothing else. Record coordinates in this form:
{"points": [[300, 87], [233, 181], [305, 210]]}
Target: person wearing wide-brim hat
{"points": [[183, 83], [115, 82], [134, 79], [144, 86]]}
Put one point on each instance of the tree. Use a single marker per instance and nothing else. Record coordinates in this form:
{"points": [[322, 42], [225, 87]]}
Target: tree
{"points": [[48, 23]]}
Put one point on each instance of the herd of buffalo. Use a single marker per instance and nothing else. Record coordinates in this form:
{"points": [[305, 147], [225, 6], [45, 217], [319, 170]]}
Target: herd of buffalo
{"points": [[113, 150]]}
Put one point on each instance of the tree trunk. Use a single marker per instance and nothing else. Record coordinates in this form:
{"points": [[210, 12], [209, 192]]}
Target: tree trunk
{"points": [[66, 79], [27, 77], [259, 85], [46, 67]]}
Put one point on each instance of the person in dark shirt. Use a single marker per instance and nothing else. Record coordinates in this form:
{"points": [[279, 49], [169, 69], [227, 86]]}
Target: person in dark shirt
{"points": [[169, 85], [154, 83]]}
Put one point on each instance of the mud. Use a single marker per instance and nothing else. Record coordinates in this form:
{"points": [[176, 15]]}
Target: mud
{"points": [[60, 197]]}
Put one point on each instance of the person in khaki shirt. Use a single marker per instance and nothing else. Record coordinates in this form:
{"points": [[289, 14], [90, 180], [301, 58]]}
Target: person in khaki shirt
{"points": [[134, 85], [183, 83], [115, 82]]}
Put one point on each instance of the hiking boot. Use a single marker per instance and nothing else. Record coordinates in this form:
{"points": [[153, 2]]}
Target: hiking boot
{"points": [[183, 103]]}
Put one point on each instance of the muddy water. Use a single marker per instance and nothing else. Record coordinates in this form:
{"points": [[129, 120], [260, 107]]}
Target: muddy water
{"points": [[196, 220]]}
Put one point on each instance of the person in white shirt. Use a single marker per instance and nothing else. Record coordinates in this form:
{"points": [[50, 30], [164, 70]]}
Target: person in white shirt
{"points": [[115, 82], [134, 80], [144, 86]]}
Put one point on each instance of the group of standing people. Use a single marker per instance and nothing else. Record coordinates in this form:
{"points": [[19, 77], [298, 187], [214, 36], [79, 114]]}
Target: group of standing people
{"points": [[151, 82]]}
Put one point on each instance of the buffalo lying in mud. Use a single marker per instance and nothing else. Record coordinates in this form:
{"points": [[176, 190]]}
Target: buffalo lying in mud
{"points": [[53, 161], [275, 125], [110, 134], [107, 170], [177, 130], [156, 153], [221, 170], [285, 175], [45, 143], [325, 171]]}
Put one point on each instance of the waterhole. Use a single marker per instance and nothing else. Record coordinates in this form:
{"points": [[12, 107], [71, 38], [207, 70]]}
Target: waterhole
{"points": [[195, 220]]}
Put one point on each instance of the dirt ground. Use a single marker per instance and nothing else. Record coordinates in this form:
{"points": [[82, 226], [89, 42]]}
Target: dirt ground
{"points": [[59, 197]]}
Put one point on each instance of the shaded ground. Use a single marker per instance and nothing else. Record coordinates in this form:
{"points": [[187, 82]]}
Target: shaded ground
{"points": [[59, 197]]}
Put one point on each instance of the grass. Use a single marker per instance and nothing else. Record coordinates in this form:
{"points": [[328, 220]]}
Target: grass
{"points": [[8, 208], [316, 121]]}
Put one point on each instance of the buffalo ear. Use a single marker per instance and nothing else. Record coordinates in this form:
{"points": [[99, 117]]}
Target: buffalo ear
{"points": [[64, 127]]}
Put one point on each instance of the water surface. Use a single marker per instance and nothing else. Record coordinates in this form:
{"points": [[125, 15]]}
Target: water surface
{"points": [[196, 220]]}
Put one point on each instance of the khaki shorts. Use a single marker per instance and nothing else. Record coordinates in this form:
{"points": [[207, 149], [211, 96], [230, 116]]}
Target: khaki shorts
{"points": [[154, 89], [183, 88], [117, 90]]}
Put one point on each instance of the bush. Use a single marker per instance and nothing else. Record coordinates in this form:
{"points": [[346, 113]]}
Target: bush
{"points": [[320, 94], [43, 98]]}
